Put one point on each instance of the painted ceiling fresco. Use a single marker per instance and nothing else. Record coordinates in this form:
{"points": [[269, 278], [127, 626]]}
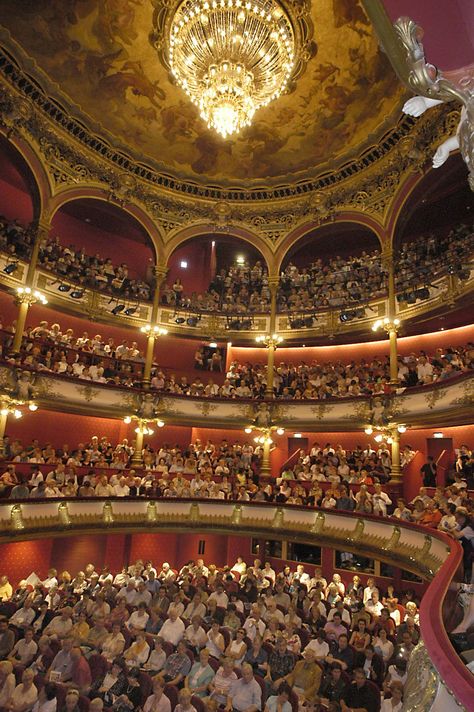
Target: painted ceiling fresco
{"points": [[97, 54]]}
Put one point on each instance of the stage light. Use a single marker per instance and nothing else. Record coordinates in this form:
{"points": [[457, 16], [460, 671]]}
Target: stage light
{"points": [[10, 268], [130, 311], [179, 320], [77, 293], [64, 288], [117, 309], [192, 321]]}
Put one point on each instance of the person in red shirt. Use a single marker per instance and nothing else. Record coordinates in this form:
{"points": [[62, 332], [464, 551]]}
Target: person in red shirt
{"points": [[81, 673]]}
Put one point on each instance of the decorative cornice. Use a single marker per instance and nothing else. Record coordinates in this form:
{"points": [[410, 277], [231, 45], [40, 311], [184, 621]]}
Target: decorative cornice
{"points": [[75, 156]]}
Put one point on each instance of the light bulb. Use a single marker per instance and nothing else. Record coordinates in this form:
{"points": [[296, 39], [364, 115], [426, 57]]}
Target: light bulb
{"points": [[33, 406], [368, 430], [378, 438], [17, 413], [127, 420], [248, 431], [280, 431]]}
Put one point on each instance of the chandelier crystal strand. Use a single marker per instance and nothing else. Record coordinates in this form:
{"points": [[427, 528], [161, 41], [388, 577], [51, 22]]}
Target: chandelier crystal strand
{"points": [[231, 57]]}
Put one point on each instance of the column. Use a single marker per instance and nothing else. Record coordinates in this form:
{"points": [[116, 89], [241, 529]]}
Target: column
{"points": [[265, 467], [160, 274], [137, 459], [392, 313], [24, 303], [396, 469], [273, 286], [3, 427]]}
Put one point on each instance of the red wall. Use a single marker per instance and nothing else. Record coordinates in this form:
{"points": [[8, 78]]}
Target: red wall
{"points": [[197, 276], [72, 231], [19, 559], [61, 428], [350, 352], [15, 204]]}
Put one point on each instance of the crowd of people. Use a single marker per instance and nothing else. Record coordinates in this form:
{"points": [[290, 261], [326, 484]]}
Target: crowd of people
{"points": [[49, 348], [421, 262], [74, 266], [325, 476], [202, 638], [335, 282]]}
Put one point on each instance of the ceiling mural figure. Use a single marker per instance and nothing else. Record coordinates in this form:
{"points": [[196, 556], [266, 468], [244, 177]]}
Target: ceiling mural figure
{"points": [[99, 52]]}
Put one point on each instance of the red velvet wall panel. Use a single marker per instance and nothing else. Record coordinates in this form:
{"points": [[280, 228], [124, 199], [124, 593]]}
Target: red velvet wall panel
{"points": [[73, 553], [15, 204], [19, 559], [156, 547], [116, 550]]}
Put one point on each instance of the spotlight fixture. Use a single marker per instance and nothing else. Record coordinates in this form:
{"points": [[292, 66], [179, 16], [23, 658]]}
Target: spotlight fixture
{"points": [[192, 321], [179, 320], [130, 311], [117, 309], [64, 288], [10, 267], [77, 293]]}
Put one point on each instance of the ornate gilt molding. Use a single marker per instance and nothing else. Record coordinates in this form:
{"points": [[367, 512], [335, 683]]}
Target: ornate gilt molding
{"points": [[369, 536], [74, 156]]}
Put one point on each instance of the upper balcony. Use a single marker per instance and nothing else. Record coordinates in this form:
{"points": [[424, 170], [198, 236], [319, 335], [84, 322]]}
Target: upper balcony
{"points": [[327, 323], [448, 402]]}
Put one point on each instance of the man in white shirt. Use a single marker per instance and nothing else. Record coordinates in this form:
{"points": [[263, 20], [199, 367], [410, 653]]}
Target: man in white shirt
{"points": [[254, 624], [60, 626], [23, 617], [24, 650], [195, 608], [300, 576], [219, 596], [373, 605], [195, 634], [318, 646], [173, 628], [129, 592], [122, 489], [380, 501]]}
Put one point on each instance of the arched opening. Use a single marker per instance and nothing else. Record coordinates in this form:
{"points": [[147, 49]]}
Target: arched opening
{"points": [[96, 244], [334, 266], [19, 195], [434, 233], [217, 273]]}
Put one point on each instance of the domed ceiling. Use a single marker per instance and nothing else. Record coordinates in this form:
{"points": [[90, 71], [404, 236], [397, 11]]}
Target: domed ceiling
{"points": [[97, 57]]}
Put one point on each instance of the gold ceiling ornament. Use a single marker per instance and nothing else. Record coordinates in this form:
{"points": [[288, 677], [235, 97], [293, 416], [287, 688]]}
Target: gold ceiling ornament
{"points": [[233, 57]]}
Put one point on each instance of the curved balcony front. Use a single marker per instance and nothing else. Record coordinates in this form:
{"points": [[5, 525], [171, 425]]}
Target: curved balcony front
{"points": [[315, 325], [449, 402], [434, 556]]}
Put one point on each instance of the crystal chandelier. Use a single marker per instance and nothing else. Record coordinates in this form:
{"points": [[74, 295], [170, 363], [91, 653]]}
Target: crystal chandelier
{"points": [[231, 57]]}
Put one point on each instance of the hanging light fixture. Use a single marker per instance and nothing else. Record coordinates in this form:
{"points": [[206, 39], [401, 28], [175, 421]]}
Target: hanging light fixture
{"points": [[231, 57]]}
